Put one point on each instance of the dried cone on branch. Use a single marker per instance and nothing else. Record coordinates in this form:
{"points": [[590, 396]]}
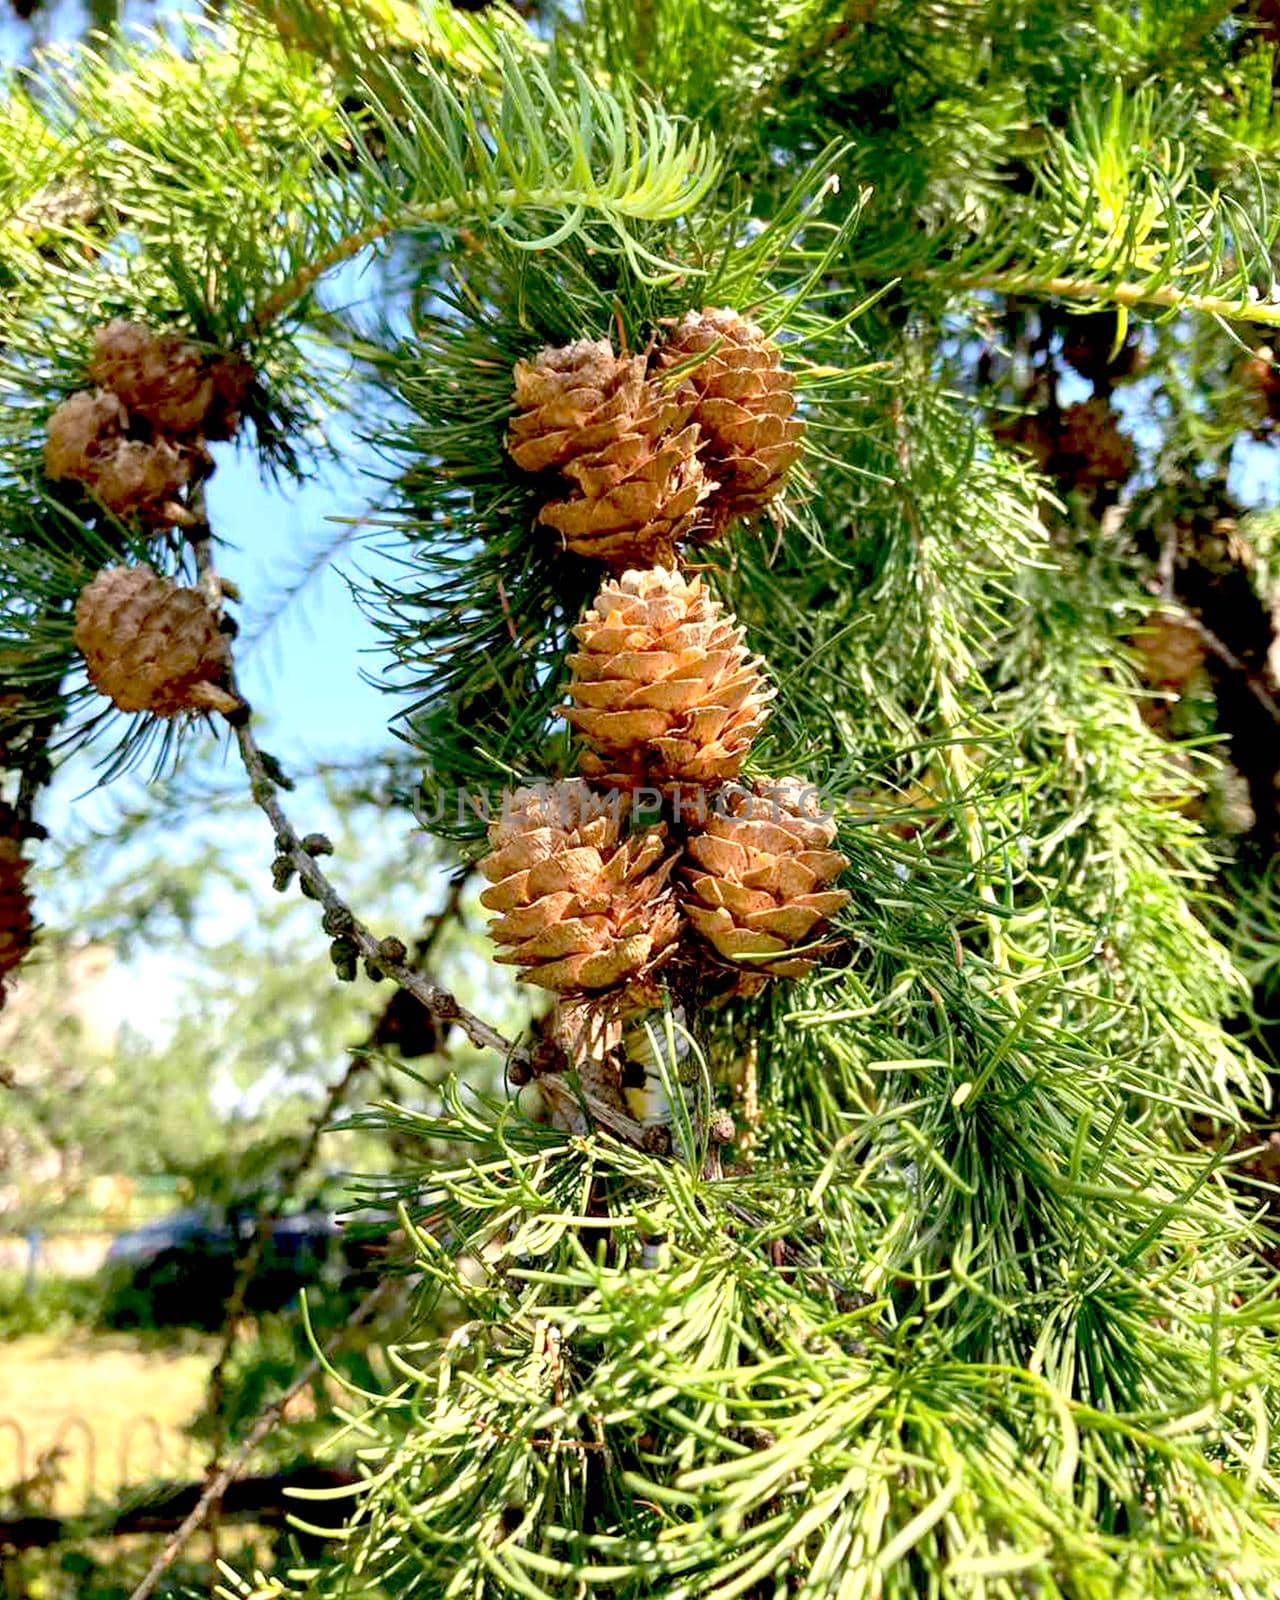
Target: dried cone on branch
{"points": [[1170, 649], [172, 384], [757, 881], [664, 689], [571, 401], [583, 907], [623, 443], [86, 443], [745, 405], [82, 433], [158, 376], [15, 901], [1092, 446], [134, 441], [639, 496], [151, 645]]}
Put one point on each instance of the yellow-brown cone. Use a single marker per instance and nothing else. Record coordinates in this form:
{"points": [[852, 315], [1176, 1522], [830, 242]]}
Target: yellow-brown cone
{"points": [[664, 689], [583, 907], [570, 401], [756, 883], [638, 484], [745, 408], [638, 497], [151, 645]]}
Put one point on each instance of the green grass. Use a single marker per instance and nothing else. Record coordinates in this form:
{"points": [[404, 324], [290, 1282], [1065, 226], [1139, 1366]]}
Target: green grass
{"points": [[110, 1385]]}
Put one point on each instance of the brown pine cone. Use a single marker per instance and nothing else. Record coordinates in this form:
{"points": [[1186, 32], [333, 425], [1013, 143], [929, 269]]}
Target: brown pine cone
{"points": [[15, 900], [583, 907], [82, 433], [1170, 649], [139, 479], [158, 376], [755, 883], [623, 442], [86, 443], [745, 405], [570, 401], [1092, 448], [664, 689], [151, 645], [233, 377], [639, 496]]}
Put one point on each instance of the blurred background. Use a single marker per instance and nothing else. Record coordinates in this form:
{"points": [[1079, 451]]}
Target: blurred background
{"points": [[172, 1062], [174, 1058]]}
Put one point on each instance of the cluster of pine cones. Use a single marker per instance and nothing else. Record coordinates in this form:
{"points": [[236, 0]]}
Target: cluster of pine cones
{"points": [[649, 453], [645, 452], [149, 644], [593, 909], [589, 901], [134, 440]]}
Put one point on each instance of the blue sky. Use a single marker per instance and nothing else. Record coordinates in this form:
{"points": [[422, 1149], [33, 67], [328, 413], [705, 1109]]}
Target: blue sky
{"points": [[305, 681], [305, 678], [307, 673]]}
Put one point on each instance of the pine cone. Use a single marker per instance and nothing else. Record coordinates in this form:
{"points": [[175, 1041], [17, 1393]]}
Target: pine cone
{"points": [[158, 376], [1092, 447], [624, 443], [151, 645], [82, 433], [1029, 431], [233, 377], [571, 401], [664, 689], [86, 443], [15, 900], [640, 496], [755, 882], [1170, 650], [1260, 373], [581, 906], [139, 479], [745, 401]]}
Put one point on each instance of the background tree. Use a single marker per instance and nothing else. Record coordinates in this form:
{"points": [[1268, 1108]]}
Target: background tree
{"points": [[969, 1295]]}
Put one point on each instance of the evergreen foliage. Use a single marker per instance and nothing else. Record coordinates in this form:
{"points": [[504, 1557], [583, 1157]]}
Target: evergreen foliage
{"points": [[980, 1310]]}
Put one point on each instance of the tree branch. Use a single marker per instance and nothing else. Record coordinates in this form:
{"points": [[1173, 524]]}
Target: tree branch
{"points": [[264, 783], [267, 1419], [476, 205], [1120, 294], [441, 1004]]}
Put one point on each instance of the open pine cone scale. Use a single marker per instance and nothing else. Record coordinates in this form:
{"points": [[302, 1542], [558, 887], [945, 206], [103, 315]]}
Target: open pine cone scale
{"points": [[663, 687], [756, 881], [582, 908]]}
